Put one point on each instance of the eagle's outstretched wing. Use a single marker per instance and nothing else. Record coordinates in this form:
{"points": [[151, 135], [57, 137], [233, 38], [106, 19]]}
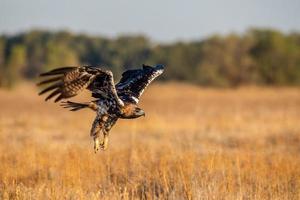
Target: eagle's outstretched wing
{"points": [[67, 82], [134, 82]]}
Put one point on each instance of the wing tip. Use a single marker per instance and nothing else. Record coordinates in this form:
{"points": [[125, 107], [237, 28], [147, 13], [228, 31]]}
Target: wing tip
{"points": [[156, 67], [57, 71], [159, 67], [46, 81]]}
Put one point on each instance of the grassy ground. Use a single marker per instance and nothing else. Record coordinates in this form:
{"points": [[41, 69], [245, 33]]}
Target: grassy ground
{"points": [[194, 143]]}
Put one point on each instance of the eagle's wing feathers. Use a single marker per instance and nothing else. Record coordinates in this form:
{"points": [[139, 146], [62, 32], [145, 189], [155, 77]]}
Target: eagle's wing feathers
{"points": [[67, 82], [134, 82]]}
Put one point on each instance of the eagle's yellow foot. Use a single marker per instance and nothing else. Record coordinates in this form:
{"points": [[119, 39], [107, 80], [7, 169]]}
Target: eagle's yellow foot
{"points": [[100, 144], [104, 143], [96, 144]]}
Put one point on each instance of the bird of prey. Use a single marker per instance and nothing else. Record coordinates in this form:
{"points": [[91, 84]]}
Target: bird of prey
{"points": [[111, 101]]}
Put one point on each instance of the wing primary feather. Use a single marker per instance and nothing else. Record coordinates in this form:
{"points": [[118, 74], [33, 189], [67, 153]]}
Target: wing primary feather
{"points": [[49, 80], [52, 94], [58, 71], [134, 82], [67, 82], [62, 69], [50, 88], [75, 109], [58, 98]]}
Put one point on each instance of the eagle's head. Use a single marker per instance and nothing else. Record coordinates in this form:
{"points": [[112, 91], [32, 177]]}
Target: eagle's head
{"points": [[138, 112]]}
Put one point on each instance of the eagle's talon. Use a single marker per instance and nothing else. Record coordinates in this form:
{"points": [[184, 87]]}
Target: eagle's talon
{"points": [[104, 143], [96, 144], [100, 144]]}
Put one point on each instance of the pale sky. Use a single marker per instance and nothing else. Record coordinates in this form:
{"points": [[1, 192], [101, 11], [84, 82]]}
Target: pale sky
{"points": [[160, 20]]}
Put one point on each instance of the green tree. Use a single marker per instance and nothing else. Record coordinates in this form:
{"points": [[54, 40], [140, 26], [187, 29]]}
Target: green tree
{"points": [[58, 54], [226, 61], [2, 59], [15, 65], [260, 56], [277, 56]]}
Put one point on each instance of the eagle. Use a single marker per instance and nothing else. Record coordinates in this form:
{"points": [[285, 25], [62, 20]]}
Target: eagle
{"points": [[110, 101]]}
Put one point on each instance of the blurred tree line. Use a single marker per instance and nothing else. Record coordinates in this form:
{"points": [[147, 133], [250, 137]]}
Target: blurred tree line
{"points": [[260, 56]]}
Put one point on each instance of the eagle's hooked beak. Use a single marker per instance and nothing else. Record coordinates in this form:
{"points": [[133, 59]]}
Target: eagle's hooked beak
{"points": [[141, 112]]}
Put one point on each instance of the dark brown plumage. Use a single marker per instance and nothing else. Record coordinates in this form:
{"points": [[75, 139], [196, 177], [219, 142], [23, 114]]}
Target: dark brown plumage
{"points": [[111, 101]]}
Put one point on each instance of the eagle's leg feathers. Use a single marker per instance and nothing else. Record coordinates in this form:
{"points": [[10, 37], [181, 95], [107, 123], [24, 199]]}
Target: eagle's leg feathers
{"points": [[104, 142], [95, 133], [101, 143], [107, 125], [98, 126]]}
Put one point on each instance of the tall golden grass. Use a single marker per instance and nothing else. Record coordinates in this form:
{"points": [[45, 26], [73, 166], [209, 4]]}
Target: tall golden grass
{"points": [[194, 143]]}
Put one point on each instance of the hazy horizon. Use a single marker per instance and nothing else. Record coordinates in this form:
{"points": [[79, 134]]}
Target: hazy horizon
{"points": [[165, 21]]}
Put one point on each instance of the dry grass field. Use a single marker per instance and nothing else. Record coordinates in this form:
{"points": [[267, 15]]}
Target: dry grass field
{"points": [[194, 143]]}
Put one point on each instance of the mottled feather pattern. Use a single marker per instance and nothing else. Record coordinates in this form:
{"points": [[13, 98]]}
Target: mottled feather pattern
{"points": [[112, 101], [70, 81], [74, 84], [134, 82]]}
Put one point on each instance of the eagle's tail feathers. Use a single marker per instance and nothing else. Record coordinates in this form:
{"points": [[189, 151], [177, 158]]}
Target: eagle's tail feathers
{"points": [[73, 106]]}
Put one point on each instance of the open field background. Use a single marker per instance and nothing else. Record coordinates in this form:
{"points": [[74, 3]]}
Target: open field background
{"points": [[194, 143]]}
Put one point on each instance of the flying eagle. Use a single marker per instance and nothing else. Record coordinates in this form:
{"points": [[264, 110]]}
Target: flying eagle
{"points": [[112, 101]]}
